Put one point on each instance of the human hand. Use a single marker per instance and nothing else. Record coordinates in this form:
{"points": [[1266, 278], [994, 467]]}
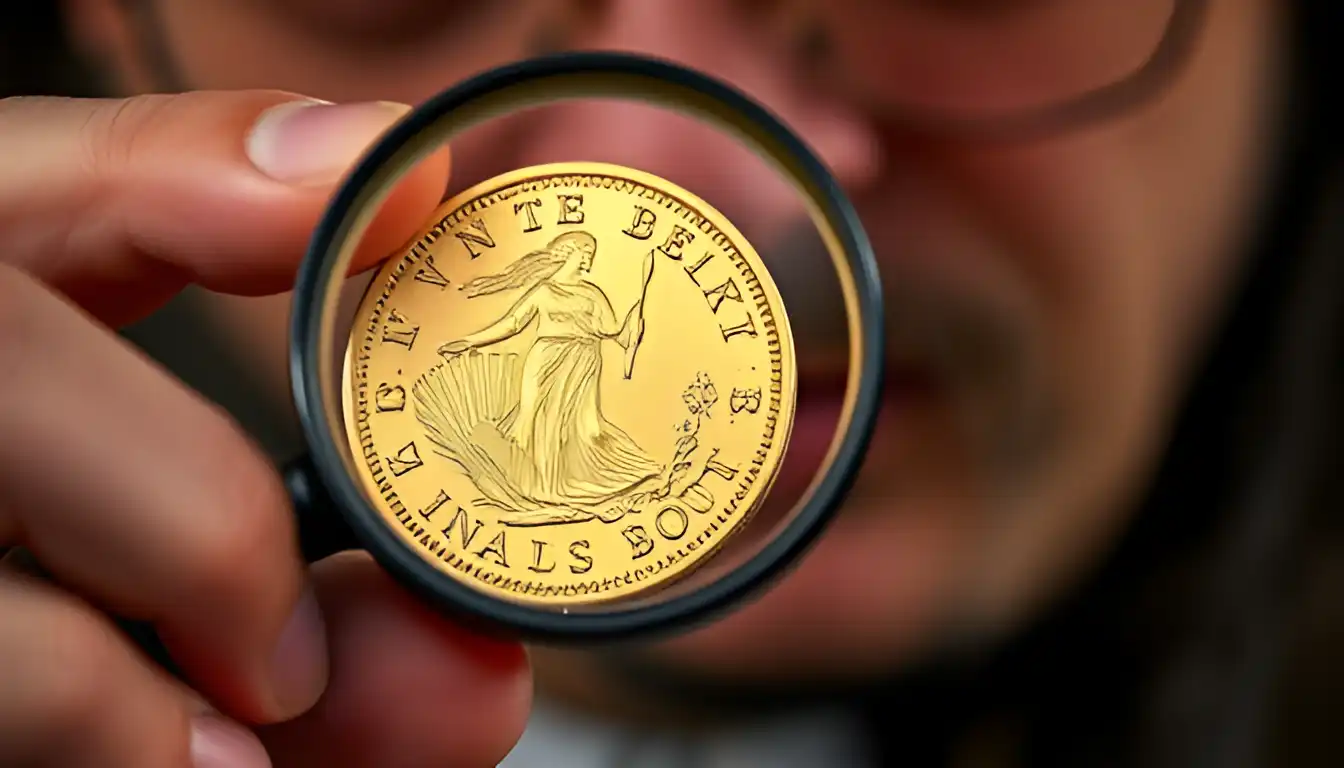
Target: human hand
{"points": [[141, 500]]}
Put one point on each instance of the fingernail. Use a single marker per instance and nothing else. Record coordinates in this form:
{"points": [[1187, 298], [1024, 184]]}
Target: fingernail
{"points": [[217, 743], [299, 666], [314, 142]]}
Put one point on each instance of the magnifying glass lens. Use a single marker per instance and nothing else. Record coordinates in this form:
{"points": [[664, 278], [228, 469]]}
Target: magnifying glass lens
{"points": [[565, 409]]}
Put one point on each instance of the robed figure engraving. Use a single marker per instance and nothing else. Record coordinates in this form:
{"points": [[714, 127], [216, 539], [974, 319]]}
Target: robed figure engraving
{"points": [[530, 432]]}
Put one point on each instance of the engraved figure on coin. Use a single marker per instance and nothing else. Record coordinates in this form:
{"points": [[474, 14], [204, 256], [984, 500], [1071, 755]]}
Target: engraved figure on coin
{"points": [[530, 432]]}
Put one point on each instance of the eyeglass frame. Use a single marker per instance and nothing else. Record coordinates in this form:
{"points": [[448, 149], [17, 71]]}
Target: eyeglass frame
{"points": [[1159, 70]]}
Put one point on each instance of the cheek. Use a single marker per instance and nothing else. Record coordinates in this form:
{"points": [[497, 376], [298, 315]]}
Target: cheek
{"points": [[1131, 235], [1080, 230]]}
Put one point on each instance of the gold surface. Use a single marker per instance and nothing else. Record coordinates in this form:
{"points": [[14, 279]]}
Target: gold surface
{"points": [[573, 387]]}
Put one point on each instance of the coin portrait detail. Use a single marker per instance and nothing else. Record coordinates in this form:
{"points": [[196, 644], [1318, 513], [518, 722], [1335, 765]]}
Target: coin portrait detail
{"points": [[574, 386]]}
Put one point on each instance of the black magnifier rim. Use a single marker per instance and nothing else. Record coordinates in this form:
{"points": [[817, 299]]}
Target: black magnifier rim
{"points": [[498, 616]]}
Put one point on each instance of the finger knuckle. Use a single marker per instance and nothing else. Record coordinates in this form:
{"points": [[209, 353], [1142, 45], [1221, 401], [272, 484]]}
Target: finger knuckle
{"points": [[250, 524], [113, 135], [13, 288], [16, 298], [75, 667]]}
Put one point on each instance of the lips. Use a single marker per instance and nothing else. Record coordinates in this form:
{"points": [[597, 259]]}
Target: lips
{"points": [[821, 395]]}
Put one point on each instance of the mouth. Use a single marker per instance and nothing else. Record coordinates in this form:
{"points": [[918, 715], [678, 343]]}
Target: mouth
{"points": [[822, 392], [962, 370], [961, 395], [910, 392]]}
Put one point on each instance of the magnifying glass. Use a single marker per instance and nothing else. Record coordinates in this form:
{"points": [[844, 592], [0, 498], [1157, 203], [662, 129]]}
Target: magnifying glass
{"points": [[556, 412]]}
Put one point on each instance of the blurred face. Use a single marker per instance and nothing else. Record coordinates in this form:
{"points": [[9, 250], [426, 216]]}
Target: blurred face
{"points": [[1047, 294]]}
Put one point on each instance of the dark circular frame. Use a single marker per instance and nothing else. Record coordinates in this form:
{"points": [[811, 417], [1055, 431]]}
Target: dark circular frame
{"points": [[599, 74]]}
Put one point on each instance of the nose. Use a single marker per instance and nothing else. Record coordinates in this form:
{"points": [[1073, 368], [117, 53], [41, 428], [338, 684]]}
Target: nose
{"points": [[719, 39]]}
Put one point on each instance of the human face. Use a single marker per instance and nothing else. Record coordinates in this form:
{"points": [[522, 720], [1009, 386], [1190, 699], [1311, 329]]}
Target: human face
{"points": [[1046, 294], [578, 260]]}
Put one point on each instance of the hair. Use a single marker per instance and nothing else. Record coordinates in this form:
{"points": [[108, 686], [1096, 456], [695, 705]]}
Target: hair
{"points": [[533, 267]]}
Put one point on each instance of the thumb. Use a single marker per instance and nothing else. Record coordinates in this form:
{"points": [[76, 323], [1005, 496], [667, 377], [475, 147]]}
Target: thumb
{"points": [[120, 203]]}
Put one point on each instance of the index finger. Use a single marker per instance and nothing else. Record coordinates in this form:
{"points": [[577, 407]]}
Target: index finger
{"points": [[119, 203]]}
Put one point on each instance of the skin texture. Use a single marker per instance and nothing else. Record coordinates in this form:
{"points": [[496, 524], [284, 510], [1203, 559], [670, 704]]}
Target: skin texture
{"points": [[1048, 297]]}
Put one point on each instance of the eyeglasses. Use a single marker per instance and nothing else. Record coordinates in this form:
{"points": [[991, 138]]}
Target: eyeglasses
{"points": [[977, 68], [998, 68]]}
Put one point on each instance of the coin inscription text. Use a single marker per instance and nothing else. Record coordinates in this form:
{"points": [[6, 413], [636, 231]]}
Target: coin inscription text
{"points": [[573, 387]]}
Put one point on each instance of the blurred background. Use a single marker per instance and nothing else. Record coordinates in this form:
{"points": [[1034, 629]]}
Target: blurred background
{"points": [[1100, 522]]}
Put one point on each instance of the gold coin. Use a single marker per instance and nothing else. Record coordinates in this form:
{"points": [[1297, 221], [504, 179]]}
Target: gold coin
{"points": [[575, 386]]}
